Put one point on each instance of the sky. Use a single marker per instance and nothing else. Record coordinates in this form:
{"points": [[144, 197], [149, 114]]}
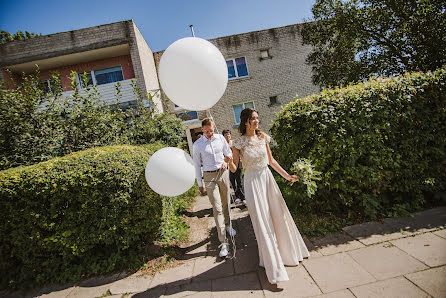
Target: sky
{"points": [[161, 22]]}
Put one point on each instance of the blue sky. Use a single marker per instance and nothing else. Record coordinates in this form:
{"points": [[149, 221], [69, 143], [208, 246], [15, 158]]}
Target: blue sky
{"points": [[161, 22]]}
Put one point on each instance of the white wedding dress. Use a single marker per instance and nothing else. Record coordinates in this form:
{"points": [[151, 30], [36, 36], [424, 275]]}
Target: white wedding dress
{"points": [[278, 238]]}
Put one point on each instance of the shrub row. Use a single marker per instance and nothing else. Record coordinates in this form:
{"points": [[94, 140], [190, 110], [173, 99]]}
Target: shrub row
{"points": [[90, 212], [380, 145]]}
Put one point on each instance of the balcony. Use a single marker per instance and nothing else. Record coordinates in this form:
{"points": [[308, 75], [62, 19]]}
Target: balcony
{"points": [[108, 92]]}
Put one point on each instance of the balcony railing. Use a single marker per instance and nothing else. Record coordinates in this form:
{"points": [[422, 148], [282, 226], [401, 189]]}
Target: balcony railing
{"points": [[108, 92]]}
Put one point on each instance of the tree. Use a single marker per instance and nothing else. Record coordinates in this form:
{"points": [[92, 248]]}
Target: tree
{"points": [[19, 35], [356, 39]]}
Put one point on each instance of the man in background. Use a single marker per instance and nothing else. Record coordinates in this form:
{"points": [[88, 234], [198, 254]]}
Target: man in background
{"points": [[235, 178]]}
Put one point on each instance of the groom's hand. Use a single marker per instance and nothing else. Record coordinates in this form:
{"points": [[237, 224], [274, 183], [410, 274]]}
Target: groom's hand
{"points": [[223, 166]]}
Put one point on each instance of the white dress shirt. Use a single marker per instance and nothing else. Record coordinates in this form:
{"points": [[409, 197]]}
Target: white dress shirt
{"points": [[210, 154]]}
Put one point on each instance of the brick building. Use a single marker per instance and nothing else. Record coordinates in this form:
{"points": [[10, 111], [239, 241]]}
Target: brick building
{"points": [[110, 53], [266, 70]]}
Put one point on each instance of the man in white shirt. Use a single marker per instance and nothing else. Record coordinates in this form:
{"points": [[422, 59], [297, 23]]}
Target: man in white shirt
{"points": [[211, 153]]}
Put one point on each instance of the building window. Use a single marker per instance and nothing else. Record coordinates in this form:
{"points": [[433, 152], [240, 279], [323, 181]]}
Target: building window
{"points": [[101, 77], [88, 80], [273, 100], [264, 54], [47, 86], [237, 68], [185, 116], [239, 108], [108, 75]]}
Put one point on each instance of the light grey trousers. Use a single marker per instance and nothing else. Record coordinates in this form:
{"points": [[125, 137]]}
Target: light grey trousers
{"points": [[217, 187]]}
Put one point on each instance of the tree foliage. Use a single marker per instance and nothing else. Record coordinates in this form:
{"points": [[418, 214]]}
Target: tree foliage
{"points": [[5, 36], [356, 39], [39, 122]]}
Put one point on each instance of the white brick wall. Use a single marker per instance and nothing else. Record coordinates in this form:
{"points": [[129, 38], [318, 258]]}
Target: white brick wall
{"points": [[285, 75]]}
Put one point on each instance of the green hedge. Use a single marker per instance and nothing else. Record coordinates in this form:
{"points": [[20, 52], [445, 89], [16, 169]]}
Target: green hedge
{"points": [[380, 145], [90, 212]]}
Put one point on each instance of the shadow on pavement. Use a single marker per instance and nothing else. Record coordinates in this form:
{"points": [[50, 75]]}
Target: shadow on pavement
{"points": [[387, 229]]}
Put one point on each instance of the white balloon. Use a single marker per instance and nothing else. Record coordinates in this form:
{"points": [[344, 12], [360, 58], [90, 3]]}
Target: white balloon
{"points": [[170, 172], [193, 73]]}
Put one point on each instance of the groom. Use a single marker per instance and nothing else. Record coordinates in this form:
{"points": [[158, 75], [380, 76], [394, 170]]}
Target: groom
{"points": [[209, 153]]}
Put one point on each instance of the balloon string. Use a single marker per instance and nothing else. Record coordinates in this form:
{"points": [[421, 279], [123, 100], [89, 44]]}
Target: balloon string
{"points": [[208, 113], [231, 235]]}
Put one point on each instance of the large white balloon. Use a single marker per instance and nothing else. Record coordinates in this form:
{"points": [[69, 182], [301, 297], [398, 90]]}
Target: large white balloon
{"points": [[170, 172], [193, 73]]}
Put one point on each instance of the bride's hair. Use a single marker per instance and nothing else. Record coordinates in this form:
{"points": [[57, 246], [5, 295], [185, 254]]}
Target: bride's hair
{"points": [[246, 115]]}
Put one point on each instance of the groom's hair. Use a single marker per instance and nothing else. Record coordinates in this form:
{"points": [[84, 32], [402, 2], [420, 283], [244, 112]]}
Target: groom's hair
{"points": [[206, 122]]}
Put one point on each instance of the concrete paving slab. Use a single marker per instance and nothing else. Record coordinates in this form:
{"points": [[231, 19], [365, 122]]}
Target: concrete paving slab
{"points": [[434, 218], [385, 261], [441, 233], [209, 268], [201, 203], [194, 295], [314, 254], [337, 272], [246, 260], [131, 284], [47, 291], [373, 232], [241, 285], [246, 235], [82, 292], [100, 280], [174, 276], [408, 226], [428, 248], [394, 228], [390, 288], [300, 284], [337, 294], [151, 293], [195, 289], [336, 243], [237, 213], [312, 249], [194, 253], [57, 294], [432, 281]]}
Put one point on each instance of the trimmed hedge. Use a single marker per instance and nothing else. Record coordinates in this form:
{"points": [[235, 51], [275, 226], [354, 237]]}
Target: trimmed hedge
{"points": [[90, 212], [380, 145]]}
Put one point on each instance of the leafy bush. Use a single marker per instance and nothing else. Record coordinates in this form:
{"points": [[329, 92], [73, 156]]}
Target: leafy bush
{"points": [[90, 212], [38, 124], [380, 146]]}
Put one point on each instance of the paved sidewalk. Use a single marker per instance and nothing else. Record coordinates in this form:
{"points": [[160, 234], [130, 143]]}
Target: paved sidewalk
{"points": [[403, 257]]}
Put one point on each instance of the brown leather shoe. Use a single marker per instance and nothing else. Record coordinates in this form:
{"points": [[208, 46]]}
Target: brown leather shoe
{"points": [[275, 288]]}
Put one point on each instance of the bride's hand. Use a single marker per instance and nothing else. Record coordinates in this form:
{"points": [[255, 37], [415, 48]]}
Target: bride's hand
{"points": [[292, 178]]}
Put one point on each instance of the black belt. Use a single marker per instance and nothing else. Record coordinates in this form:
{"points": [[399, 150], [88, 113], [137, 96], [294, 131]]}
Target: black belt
{"points": [[212, 171]]}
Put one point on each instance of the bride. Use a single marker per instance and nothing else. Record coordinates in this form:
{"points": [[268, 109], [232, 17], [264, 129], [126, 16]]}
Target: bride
{"points": [[279, 241]]}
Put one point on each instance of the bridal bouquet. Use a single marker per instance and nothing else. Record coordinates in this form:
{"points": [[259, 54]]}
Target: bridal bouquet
{"points": [[306, 174]]}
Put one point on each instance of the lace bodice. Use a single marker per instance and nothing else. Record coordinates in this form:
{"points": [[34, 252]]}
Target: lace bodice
{"points": [[253, 151]]}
